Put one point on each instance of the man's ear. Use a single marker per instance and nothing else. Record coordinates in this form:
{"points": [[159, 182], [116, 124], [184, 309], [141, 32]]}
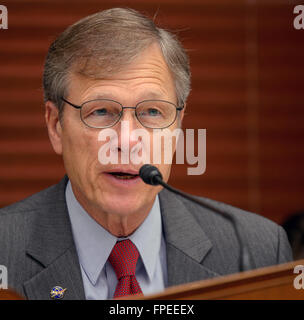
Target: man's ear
{"points": [[181, 115], [53, 126]]}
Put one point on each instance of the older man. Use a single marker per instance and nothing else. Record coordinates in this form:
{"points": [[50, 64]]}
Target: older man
{"points": [[101, 232]]}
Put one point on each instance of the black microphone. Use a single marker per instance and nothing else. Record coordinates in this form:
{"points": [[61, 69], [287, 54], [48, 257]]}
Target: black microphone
{"points": [[151, 175]]}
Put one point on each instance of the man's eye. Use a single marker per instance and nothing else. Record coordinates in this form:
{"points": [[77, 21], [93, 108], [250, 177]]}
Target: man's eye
{"points": [[153, 112], [100, 112]]}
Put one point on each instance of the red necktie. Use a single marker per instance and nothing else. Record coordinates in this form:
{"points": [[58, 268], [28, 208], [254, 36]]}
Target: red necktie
{"points": [[123, 259]]}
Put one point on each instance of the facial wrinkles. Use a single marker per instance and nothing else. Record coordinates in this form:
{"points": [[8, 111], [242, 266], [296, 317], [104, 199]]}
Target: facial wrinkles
{"points": [[152, 74], [155, 70], [139, 85], [148, 74]]}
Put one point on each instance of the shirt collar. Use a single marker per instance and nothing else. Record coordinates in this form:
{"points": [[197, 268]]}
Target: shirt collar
{"points": [[94, 243]]}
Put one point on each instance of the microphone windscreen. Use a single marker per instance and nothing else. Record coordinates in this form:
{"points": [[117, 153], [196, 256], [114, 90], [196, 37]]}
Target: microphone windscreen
{"points": [[148, 174]]}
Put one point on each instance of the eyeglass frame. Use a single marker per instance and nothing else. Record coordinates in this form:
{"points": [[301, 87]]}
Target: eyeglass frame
{"points": [[122, 109]]}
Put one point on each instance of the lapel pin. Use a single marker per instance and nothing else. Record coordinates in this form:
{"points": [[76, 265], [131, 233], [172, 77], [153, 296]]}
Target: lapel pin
{"points": [[57, 293]]}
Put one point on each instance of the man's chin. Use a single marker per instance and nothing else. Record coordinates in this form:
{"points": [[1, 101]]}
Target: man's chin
{"points": [[124, 205]]}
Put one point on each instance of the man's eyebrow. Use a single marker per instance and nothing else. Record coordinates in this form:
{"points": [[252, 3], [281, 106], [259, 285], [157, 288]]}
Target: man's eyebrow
{"points": [[151, 95], [101, 96]]}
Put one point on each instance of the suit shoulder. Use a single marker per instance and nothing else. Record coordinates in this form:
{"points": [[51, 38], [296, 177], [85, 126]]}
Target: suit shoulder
{"points": [[243, 217], [265, 239], [32, 203], [255, 228]]}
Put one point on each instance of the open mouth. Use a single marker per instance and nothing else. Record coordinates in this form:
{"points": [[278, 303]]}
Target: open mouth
{"points": [[124, 175]]}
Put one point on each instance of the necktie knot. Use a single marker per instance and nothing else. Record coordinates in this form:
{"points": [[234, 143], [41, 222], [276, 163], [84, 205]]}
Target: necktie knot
{"points": [[123, 258]]}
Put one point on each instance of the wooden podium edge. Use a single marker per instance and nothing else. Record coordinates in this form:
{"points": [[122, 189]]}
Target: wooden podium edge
{"points": [[237, 284], [273, 282], [9, 294]]}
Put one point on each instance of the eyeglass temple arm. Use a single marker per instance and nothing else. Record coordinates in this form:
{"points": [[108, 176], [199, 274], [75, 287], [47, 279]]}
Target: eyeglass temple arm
{"points": [[71, 104]]}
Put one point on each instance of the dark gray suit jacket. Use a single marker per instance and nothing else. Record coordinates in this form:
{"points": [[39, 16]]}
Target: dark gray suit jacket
{"points": [[37, 246]]}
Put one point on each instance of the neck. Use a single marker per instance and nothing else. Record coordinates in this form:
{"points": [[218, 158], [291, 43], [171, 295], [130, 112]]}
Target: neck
{"points": [[119, 225]]}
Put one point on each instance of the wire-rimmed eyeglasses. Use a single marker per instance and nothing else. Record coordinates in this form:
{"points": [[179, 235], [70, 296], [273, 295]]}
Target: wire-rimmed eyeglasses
{"points": [[105, 113]]}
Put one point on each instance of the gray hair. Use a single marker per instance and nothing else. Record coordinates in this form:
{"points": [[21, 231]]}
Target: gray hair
{"points": [[102, 43]]}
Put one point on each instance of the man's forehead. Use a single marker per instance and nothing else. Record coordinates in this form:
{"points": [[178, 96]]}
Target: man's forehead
{"points": [[148, 73], [90, 89], [149, 62]]}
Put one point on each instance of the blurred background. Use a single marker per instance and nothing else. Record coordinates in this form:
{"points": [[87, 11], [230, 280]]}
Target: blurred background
{"points": [[247, 66]]}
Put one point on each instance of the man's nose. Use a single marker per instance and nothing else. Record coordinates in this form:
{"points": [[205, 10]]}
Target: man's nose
{"points": [[128, 123], [130, 117]]}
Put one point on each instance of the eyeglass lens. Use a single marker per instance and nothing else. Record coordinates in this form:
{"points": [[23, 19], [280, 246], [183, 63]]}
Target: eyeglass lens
{"points": [[105, 113]]}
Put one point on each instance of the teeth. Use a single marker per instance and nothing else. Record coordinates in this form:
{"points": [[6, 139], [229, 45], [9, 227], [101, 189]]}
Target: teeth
{"points": [[124, 177]]}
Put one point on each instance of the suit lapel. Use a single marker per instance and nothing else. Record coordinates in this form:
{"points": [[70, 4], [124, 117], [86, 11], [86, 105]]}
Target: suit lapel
{"points": [[186, 242], [186, 246], [63, 272], [51, 244]]}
